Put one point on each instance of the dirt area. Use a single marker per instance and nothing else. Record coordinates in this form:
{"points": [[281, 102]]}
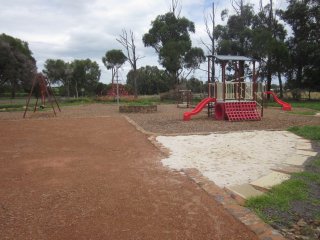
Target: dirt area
{"points": [[98, 178], [89, 174]]}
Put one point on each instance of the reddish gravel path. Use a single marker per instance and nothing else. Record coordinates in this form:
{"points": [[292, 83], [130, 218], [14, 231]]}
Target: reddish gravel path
{"points": [[98, 178]]}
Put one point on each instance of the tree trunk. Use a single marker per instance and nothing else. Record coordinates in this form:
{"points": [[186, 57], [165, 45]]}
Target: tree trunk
{"points": [[13, 90], [213, 45], [77, 94], [299, 76], [135, 73], [309, 94], [269, 77], [280, 84], [68, 88]]}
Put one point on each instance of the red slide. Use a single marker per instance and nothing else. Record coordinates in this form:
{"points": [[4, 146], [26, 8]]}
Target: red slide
{"points": [[198, 108], [285, 106]]}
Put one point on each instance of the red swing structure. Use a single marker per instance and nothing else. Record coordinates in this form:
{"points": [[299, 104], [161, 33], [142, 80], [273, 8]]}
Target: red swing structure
{"points": [[41, 89]]}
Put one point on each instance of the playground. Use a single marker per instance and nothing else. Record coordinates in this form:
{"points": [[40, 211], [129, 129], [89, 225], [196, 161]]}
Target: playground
{"points": [[120, 180], [93, 171]]}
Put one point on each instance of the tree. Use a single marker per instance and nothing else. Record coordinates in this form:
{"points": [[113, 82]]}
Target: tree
{"points": [[150, 79], [74, 76], [268, 45], [195, 85], [58, 72], [113, 60], [17, 66], [210, 33], [235, 38], [304, 19], [169, 35], [85, 75], [128, 42]]}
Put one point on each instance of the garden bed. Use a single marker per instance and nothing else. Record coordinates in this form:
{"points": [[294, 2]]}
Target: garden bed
{"points": [[138, 109]]}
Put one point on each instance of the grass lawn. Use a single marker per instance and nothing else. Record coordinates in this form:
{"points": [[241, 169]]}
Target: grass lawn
{"points": [[9, 105], [295, 199], [19, 104], [314, 105]]}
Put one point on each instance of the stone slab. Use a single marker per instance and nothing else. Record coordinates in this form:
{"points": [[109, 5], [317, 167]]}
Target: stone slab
{"points": [[289, 169], [307, 153], [297, 160], [270, 180], [304, 146], [244, 190]]}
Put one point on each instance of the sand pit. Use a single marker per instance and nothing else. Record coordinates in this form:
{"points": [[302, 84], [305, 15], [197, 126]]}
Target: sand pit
{"points": [[231, 158]]}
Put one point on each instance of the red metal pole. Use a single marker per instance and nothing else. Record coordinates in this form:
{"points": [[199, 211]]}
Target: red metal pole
{"points": [[25, 111]]}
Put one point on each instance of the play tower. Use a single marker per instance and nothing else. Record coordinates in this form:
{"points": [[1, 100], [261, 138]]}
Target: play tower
{"points": [[235, 98]]}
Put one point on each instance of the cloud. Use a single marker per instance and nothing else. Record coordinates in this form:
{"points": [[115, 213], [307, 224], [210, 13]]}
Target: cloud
{"points": [[68, 29]]}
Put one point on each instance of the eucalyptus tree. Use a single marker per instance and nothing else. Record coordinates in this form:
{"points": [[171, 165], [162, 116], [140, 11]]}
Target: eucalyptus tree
{"points": [[85, 76], [113, 60], [268, 45], [128, 42], [17, 65], [303, 17], [169, 36]]}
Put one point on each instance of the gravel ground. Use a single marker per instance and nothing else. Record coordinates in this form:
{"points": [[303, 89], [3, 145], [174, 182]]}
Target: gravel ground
{"points": [[168, 119]]}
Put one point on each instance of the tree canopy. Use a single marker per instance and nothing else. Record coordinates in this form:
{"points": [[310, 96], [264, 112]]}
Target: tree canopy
{"points": [[304, 45], [150, 80], [113, 60], [169, 35], [17, 65], [74, 76]]}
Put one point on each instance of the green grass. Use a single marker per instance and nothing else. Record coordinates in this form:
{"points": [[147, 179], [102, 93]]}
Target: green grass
{"points": [[76, 101], [309, 132], [275, 207], [305, 113], [140, 103], [18, 104], [314, 105], [280, 197]]}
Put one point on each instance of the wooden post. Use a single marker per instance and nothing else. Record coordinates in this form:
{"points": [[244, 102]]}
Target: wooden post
{"points": [[223, 66], [209, 87], [254, 87]]}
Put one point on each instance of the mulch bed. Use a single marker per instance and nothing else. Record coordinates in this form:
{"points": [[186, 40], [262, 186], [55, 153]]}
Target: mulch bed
{"points": [[168, 119]]}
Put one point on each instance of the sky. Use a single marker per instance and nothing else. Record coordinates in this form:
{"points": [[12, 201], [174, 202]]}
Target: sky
{"points": [[81, 29]]}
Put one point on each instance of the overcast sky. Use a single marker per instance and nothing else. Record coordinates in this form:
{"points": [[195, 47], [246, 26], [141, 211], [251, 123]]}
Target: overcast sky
{"points": [[81, 29]]}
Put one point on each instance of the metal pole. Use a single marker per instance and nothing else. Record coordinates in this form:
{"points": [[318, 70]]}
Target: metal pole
{"points": [[117, 87], [33, 83]]}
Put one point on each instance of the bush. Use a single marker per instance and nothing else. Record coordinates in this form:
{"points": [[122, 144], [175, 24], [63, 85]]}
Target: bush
{"points": [[296, 94]]}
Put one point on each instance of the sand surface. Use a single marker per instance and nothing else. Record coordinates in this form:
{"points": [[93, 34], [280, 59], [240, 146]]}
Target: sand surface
{"points": [[230, 158]]}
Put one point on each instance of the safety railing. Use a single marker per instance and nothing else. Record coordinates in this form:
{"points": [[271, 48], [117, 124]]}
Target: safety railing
{"points": [[237, 91]]}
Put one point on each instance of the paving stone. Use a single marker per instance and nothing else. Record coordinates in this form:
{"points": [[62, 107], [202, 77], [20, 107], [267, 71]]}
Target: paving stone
{"points": [[304, 146], [307, 153], [297, 160], [270, 180], [244, 190], [289, 169]]}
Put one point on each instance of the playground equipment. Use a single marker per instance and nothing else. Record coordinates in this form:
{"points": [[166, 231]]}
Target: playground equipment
{"points": [[285, 106], [235, 99], [198, 108], [41, 88], [185, 98]]}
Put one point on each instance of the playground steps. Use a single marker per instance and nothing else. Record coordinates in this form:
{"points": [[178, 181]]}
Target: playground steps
{"points": [[210, 109], [240, 111]]}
